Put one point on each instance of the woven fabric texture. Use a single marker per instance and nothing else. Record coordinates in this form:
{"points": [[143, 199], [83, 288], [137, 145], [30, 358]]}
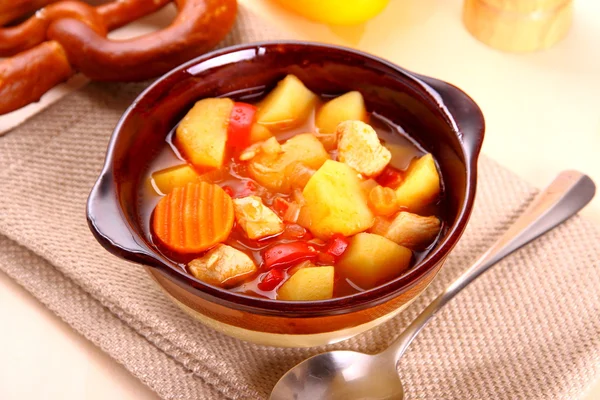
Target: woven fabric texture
{"points": [[528, 329]]}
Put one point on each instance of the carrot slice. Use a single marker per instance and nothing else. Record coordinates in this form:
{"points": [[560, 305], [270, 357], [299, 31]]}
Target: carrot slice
{"points": [[383, 200], [193, 218]]}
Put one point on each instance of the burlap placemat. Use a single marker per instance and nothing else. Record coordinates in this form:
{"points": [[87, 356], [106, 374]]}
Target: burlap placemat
{"points": [[529, 329]]}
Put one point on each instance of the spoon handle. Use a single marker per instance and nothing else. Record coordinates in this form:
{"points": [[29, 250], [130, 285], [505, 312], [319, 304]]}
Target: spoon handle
{"points": [[564, 197]]}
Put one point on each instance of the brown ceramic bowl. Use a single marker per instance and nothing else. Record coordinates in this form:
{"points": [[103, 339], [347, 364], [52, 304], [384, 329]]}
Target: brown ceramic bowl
{"points": [[443, 119]]}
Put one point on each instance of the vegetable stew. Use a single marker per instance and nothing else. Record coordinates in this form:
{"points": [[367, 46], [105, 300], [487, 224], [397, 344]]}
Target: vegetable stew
{"points": [[292, 197]]}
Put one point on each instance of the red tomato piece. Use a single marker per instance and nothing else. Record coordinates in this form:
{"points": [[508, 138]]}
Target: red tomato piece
{"points": [[337, 245], [271, 279], [390, 177], [287, 254], [228, 190], [240, 125], [326, 259], [280, 205]]}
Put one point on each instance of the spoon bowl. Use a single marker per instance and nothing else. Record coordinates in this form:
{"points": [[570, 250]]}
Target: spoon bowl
{"points": [[341, 375]]}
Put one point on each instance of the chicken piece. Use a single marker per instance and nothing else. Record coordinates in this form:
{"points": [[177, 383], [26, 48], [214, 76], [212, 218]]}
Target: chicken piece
{"points": [[272, 170], [256, 219], [360, 148], [408, 229], [251, 151], [222, 266], [270, 146]]}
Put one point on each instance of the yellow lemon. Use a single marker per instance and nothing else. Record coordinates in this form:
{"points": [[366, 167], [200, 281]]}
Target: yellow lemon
{"points": [[336, 12]]}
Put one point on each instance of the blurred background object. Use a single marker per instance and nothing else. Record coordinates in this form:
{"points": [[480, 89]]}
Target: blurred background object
{"points": [[518, 25], [336, 12]]}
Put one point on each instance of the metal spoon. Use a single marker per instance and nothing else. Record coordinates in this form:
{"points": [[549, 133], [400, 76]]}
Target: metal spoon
{"points": [[349, 375]]}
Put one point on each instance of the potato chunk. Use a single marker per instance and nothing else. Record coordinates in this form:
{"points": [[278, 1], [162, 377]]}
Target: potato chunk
{"points": [[202, 134], [349, 106], [256, 219], [271, 170], [222, 266], [335, 202], [168, 179], [408, 229], [259, 133], [287, 105], [421, 185], [360, 148], [311, 283], [372, 259]]}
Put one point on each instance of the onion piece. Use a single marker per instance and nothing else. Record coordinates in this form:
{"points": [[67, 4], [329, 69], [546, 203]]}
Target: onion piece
{"points": [[263, 168], [381, 226], [299, 197], [304, 264], [304, 218], [294, 231], [292, 212], [298, 175], [328, 140]]}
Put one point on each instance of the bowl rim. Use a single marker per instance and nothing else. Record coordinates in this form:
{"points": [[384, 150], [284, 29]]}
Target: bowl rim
{"points": [[317, 308]]}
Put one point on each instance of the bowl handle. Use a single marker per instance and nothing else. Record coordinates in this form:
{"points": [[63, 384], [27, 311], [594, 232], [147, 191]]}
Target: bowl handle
{"points": [[110, 227], [467, 115]]}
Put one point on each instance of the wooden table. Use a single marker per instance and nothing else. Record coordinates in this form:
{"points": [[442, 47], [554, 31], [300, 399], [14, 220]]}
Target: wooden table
{"points": [[542, 112]]}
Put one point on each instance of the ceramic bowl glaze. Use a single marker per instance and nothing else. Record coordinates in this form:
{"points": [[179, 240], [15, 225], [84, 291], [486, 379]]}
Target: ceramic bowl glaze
{"points": [[443, 119]]}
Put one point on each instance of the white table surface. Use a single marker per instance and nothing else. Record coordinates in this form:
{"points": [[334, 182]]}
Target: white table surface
{"points": [[542, 112]]}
